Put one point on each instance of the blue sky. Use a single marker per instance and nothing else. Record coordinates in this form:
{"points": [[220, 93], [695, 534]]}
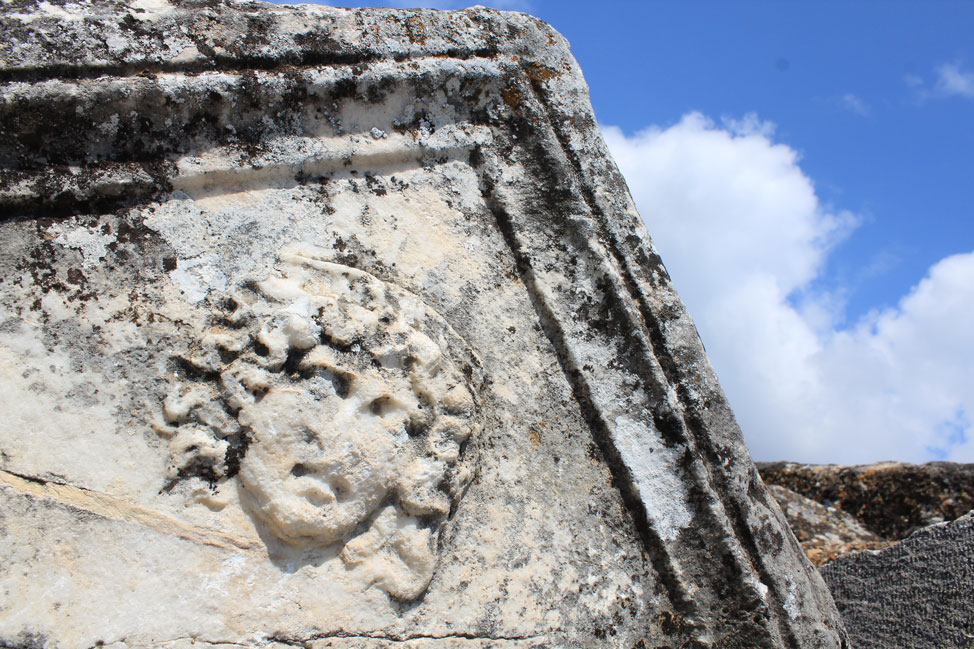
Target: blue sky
{"points": [[852, 86], [805, 169]]}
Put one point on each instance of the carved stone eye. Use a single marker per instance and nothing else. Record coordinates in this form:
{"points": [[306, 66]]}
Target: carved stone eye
{"points": [[379, 406], [385, 406]]}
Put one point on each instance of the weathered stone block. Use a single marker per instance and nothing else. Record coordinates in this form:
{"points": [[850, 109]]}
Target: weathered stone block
{"points": [[339, 329], [892, 499], [916, 594], [824, 532]]}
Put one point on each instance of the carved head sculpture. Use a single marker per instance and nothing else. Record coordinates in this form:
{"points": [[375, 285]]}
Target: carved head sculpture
{"points": [[354, 403]]}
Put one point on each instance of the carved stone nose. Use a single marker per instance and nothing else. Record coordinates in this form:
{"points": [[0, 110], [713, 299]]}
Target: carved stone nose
{"points": [[317, 492]]}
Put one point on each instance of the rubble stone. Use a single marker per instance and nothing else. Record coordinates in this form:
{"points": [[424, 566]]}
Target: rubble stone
{"points": [[915, 594], [892, 499], [824, 532]]}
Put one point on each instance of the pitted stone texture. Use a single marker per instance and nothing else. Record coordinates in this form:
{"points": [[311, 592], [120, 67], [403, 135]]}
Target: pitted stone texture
{"points": [[892, 499], [339, 328], [913, 595], [824, 532]]}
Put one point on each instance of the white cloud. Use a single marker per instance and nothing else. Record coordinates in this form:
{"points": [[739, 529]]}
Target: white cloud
{"points": [[951, 80], [912, 80], [744, 236], [854, 103], [750, 124]]}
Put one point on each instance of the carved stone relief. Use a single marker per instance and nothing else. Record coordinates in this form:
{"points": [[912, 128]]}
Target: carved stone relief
{"points": [[211, 437], [343, 406]]}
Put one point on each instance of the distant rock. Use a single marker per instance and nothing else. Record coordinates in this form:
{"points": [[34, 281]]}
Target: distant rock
{"points": [[908, 594], [916, 594], [824, 532], [890, 499]]}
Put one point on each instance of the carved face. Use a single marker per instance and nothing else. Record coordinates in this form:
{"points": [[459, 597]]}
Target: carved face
{"points": [[355, 414], [317, 467]]}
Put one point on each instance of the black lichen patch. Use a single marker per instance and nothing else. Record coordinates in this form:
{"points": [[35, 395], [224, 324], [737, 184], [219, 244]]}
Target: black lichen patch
{"points": [[199, 469], [24, 640]]}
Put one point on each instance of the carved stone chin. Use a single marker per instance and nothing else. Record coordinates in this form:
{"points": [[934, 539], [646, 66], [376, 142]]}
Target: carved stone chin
{"points": [[345, 407]]}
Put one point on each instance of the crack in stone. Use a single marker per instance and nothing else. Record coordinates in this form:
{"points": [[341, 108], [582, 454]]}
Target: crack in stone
{"points": [[306, 643], [110, 507], [297, 642]]}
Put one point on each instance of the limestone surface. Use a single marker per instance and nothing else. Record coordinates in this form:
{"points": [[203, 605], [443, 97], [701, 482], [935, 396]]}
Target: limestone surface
{"points": [[335, 328]]}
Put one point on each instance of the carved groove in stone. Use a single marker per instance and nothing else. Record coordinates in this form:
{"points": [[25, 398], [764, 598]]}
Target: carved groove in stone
{"points": [[336, 396]]}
